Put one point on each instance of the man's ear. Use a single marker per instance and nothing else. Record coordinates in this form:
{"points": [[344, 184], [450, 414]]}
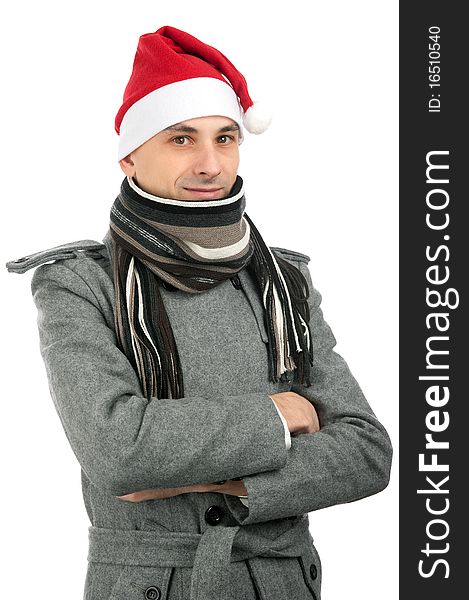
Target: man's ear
{"points": [[128, 165]]}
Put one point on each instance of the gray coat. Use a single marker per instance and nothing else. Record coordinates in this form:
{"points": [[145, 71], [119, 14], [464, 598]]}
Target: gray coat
{"points": [[198, 546]]}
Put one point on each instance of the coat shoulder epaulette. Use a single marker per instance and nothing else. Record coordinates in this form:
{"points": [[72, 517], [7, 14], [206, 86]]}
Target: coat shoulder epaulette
{"points": [[64, 251], [291, 254]]}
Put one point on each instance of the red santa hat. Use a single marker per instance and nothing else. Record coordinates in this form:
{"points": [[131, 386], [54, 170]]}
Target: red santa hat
{"points": [[176, 77]]}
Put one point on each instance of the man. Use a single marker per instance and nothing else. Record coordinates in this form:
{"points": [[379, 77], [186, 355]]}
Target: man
{"points": [[190, 364]]}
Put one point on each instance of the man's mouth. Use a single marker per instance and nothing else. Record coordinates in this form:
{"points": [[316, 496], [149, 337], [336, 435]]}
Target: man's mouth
{"points": [[204, 192]]}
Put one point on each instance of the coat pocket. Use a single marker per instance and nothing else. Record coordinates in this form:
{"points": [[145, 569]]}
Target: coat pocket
{"points": [[311, 569], [142, 583], [282, 578]]}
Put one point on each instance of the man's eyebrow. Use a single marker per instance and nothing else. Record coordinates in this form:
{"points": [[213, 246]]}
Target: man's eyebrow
{"points": [[181, 128], [233, 127], [188, 129]]}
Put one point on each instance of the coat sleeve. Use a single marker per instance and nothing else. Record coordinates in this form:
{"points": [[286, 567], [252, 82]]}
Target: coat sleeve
{"points": [[348, 459], [123, 442]]}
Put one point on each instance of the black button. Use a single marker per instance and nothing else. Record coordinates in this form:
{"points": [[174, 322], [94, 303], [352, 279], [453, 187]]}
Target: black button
{"points": [[152, 593], [313, 571], [287, 376], [168, 286], [213, 515], [236, 282]]}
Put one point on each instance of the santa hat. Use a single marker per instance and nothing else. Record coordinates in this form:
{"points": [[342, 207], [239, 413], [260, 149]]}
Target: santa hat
{"points": [[176, 77]]}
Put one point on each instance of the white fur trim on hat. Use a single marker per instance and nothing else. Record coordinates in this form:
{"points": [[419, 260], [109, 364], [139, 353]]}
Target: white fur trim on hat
{"points": [[176, 102]]}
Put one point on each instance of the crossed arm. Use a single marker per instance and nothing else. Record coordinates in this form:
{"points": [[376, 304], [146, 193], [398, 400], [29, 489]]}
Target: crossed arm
{"points": [[124, 442], [301, 417]]}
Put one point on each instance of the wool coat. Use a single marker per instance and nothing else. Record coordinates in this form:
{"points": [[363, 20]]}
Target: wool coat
{"points": [[198, 546]]}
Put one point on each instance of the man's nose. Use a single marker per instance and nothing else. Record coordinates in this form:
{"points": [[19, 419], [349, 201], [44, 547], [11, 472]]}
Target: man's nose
{"points": [[208, 162]]}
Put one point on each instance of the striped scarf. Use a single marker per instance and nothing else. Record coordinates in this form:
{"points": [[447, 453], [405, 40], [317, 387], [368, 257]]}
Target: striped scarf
{"points": [[194, 246]]}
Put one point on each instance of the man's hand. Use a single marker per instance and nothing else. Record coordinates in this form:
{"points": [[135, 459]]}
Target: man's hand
{"points": [[299, 413], [154, 494], [231, 487]]}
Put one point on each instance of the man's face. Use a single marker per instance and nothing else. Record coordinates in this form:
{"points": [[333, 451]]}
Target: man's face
{"points": [[196, 159]]}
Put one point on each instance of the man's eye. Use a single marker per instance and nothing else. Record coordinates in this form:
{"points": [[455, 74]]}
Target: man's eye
{"points": [[226, 137], [179, 137]]}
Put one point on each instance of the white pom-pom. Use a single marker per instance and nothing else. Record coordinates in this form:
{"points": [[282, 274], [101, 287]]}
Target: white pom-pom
{"points": [[257, 118]]}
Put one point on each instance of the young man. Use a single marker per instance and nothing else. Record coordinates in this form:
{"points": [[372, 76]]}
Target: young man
{"points": [[190, 363]]}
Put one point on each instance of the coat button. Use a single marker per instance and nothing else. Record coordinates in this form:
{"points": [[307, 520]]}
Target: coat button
{"points": [[313, 571], [236, 282], [213, 515], [152, 593], [168, 286]]}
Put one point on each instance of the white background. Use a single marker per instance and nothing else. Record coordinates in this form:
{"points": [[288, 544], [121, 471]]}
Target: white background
{"points": [[322, 180]]}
